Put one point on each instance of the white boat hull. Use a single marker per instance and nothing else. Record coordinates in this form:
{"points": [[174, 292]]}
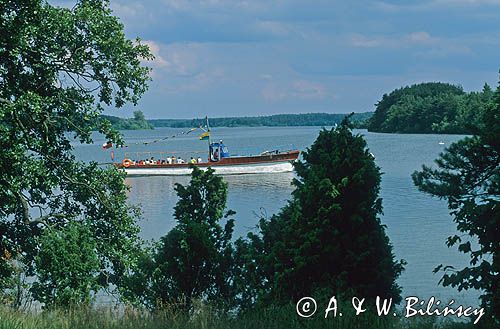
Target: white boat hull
{"points": [[240, 169]]}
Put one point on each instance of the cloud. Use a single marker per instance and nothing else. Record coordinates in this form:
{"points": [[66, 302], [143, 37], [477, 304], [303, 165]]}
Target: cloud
{"points": [[158, 61], [276, 56], [307, 89], [299, 89], [432, 5], [177, 59], [183, 59], [198, 82], [420, 45], [466, 2], [359, 40], [419, 38], [183, 67], [445, 51], [273, 28]]}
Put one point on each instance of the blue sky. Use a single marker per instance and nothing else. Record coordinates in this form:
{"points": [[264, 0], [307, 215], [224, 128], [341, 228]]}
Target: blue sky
{"points": [[259, 57]]}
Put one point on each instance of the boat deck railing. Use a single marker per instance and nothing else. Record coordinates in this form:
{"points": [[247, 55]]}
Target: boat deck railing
{"points": [[163, 155]]}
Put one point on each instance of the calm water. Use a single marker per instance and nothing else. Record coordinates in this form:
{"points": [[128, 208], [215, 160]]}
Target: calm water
{"points": [[417, 224]]}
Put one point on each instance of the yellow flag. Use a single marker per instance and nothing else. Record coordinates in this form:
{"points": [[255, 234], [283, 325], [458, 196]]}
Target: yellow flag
{"points": [[204, 136]]}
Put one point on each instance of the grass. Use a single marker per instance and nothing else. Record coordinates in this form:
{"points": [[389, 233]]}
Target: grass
{"points": [[205, 318]]}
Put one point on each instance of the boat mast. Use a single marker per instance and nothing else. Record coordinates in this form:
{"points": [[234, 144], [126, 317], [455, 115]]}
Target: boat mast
{"points": [[209, 141]]}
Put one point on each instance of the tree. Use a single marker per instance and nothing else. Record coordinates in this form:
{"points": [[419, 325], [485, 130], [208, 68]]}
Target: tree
{"points": [[135, 123], [422, 90], [139, 121], [328, 239], [139, 116], [429, 108], [194, 260], [468, 177], [58, 69], [67, 267]]}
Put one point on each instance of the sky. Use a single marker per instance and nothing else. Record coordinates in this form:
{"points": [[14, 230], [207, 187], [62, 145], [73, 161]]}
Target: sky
{"points": [[262, 57]]}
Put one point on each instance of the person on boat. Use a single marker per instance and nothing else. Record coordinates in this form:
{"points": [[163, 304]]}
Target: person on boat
{"points": [[192, 160], [199, 160], [174, 159], [216, 155], [180, 160], [169, 160], [152, 161]]}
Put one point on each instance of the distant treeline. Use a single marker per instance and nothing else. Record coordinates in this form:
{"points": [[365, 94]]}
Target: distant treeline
{"points": [[307, 119], [138, 122], [433, 107]]}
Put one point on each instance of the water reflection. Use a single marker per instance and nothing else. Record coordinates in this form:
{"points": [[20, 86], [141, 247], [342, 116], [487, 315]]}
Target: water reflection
{"points": [[251, 196], [262, 181]]}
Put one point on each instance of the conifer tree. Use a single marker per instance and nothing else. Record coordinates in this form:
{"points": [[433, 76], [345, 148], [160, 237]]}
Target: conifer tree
{"points": [[328, 239], [194, 259]]}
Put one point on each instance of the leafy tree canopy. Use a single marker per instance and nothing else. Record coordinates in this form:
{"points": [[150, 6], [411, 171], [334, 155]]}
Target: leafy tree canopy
{"points": [[429, 108], [59, 68], [66, 267]]}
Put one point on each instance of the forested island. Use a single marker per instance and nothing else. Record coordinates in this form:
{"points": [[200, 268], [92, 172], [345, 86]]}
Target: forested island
{"points": [[433, 107]]}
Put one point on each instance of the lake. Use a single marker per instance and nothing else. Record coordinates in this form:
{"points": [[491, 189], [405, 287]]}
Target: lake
{"points": [[417, 224]]}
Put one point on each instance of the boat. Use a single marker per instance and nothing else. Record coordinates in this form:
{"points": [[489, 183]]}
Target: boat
{"points": [[218, 158]]}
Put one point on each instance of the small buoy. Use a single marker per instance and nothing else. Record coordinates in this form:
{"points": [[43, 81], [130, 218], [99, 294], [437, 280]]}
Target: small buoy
{"points": [[126, 163]]}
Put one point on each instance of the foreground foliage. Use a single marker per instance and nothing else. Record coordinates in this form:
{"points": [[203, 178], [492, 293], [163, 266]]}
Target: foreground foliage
{"points": [[468, 177], [59, 68], [67, 266], [329, 237], [206, 318], [193, 260]]}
